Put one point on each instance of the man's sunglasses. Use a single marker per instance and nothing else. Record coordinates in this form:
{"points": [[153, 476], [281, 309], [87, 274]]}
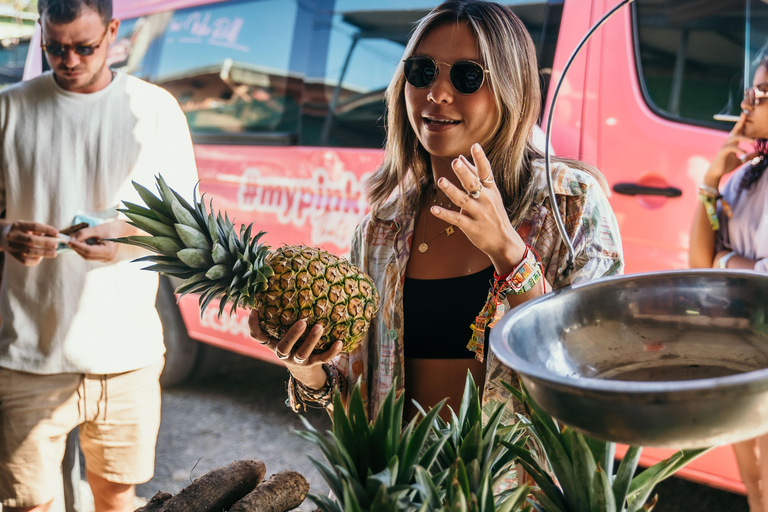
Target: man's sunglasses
{"points": [[753, 95], [466, 75], [62, 50]]}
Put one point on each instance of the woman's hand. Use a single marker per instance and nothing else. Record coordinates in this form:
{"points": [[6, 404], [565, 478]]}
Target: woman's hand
{"points": [[299, 358], [730, 155], [483, 219]]}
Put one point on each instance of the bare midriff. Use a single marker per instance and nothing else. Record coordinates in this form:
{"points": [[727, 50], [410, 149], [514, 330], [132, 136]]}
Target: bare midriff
{"points": [[430, 380]]}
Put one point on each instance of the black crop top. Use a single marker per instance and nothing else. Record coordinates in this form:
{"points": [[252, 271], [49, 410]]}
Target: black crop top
{"points": [[439, 312]]}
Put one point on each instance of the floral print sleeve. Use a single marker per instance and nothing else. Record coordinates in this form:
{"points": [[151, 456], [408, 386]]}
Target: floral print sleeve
{"points": [[594, 233]]}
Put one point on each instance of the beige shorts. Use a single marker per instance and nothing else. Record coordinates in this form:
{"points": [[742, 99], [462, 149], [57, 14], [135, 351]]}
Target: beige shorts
{"points": [[118, 415]]}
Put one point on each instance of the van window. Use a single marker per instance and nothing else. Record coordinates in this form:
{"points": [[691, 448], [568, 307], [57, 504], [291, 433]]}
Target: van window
{"points": [[137, 43], [229, 66], [13, 51], [691, 59], [365, 45]]}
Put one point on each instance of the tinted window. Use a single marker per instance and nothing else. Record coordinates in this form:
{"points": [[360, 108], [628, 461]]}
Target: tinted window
{"points": [[691, 59], [137, 43], [13, 51], [229, 66], [345, 105]]}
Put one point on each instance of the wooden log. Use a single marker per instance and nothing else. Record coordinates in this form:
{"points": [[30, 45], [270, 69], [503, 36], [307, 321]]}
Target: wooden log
{"points": [[282, 492], [219, 489], [157, 502]]}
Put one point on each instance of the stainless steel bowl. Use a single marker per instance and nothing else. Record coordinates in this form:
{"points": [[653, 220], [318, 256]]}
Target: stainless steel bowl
{"points": [[669, 359]]}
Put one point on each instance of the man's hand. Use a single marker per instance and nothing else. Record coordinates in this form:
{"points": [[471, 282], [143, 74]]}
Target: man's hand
{"points": [[90, 242], [29, 242]]}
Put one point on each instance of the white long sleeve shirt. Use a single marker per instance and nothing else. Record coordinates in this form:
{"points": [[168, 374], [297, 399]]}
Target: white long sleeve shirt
{"points": [[65, 153]]}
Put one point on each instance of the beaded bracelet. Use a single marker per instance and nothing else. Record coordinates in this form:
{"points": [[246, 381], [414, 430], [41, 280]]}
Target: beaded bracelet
{"points": [[300, 395], [522, 279], [709, 197]]}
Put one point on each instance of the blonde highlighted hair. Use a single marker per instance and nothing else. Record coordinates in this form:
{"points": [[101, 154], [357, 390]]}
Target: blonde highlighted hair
{"points": [[508, 52]]}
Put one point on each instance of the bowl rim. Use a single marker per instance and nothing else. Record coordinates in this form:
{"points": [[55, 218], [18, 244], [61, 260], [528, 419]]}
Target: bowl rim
{"points": [[511, 360]]}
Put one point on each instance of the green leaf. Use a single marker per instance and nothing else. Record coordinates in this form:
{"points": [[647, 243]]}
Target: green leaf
{"points": [[154, 203], [601, 494], [184, 216], [159, 244], [641, 487], [165, 193], [195, 258], [625, 473], [138, 210], [584, 470], [192, 238], [217, 272]]}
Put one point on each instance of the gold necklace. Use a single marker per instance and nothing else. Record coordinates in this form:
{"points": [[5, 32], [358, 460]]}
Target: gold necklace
{"points": [[424, 246]]}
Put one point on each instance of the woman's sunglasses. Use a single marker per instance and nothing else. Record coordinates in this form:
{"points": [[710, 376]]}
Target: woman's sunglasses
{"points": [[61, 50], [466, 75], [755, 94]]}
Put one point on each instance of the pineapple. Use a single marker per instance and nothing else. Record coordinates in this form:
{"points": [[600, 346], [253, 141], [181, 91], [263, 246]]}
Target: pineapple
{"points": [[291, 283]]}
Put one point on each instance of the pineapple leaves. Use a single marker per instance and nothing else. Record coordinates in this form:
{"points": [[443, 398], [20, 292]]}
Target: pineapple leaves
{"points": [[151, 226], [184, 215], [195, 258], [624, 474], [152, 202], [164, 245], [192, 238]]}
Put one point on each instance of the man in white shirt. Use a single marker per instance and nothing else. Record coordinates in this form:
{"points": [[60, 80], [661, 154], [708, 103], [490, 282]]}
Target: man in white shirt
{"points": [[80, 340]]}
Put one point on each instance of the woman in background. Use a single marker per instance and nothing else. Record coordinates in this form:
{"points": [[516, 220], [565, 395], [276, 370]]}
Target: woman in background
{"points": [[730, 230]]}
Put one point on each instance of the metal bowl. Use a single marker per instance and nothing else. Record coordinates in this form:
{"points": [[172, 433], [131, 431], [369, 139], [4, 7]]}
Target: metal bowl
{"points": [[668, 359]]}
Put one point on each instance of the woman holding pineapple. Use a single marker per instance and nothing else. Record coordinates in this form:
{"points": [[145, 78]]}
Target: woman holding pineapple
{"points": [[461, 228]]}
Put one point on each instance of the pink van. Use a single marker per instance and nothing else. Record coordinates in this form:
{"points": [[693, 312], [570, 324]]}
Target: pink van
{"points": [[284, 101]]}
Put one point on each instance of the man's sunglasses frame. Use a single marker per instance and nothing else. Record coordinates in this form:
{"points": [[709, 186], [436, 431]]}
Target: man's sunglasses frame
{"points": [[458, 72], [62, 50]]}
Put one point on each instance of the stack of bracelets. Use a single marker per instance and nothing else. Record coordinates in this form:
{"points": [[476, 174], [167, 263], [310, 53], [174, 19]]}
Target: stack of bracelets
{"points": [[709, 196], [300, 396]]}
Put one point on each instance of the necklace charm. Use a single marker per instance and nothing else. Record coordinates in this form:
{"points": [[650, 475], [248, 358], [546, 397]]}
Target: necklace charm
{"points": [[423, 247]]}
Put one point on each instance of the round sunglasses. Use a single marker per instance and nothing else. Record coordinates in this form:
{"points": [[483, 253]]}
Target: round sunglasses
{"points": [[755, 94], [467, 76]]}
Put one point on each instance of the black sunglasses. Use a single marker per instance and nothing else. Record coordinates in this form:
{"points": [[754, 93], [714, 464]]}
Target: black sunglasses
{"points": [[61, 50], [466, 75]]}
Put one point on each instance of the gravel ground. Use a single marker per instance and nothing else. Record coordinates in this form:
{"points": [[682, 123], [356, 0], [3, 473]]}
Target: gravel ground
{"points": [[234, 409]]}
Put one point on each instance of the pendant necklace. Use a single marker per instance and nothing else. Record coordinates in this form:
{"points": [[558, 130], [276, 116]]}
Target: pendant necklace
{"points": [[424, 246]]}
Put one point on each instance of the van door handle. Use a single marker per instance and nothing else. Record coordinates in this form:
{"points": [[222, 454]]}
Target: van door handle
{"points": [[633, 189]]}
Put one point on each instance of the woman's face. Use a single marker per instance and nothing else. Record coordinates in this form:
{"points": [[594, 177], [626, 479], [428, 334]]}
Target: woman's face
{"points": [[447, 122], [756, 125]]}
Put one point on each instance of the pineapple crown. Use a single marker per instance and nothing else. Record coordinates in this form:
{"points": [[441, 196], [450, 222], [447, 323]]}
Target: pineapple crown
{"points": [[193, 244]]}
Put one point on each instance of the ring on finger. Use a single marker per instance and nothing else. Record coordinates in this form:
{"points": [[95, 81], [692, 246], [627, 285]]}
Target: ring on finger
{"points": [[475, 194], [299, 360], [282, 356], [743, 158], [489, 179], [266, 342]]}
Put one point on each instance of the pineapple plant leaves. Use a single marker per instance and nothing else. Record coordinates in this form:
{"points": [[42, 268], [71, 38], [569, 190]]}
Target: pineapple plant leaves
{"points": [[290, 283], [578, 465]]}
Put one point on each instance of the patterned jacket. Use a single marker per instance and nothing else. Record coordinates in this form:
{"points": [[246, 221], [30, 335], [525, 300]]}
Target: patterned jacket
{"points": [[382, 245]]}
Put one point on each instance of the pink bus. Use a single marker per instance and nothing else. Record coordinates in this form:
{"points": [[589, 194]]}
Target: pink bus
{"points": [[284, 101]]}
